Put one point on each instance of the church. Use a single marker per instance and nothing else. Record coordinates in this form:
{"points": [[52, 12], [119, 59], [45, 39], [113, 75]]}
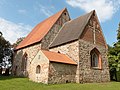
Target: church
{"points": [[62, 50]]}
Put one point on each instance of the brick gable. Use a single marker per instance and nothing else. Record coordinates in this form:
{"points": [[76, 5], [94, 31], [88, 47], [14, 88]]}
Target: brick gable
{"points": [[88, 33]]}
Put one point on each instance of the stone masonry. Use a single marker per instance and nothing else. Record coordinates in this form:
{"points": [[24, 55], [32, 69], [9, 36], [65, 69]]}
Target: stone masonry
{"points": [[41, 60], [88, 74], [71, 50], [33, 50], [31, 53], [84, 71], [47, 40], [77, 50], [61, 73]]}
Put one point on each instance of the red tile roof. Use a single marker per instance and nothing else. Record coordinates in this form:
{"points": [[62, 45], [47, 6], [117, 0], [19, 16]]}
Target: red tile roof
{"points": [[58, 57], [40, 30]]}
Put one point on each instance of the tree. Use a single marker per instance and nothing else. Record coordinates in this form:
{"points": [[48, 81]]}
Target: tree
{"points": [[18, 41], [1, 52], [5, 51], [6, 63], [118, 35], [114, 57], [0, 33]]}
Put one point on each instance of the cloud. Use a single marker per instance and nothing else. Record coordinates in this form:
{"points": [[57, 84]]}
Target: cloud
{"points": [[105, 8], [45, 10], [11, 31], [22, 11]]}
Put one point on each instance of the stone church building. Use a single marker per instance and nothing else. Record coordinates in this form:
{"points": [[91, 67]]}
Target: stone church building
{"points": [[61, 50]]}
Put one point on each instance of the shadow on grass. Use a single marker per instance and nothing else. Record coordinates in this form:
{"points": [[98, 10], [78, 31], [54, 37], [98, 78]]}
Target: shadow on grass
{"points": [[8, 77]]}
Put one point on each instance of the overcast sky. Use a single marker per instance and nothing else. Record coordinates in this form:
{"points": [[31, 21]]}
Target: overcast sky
{"points": [[18, 17]]}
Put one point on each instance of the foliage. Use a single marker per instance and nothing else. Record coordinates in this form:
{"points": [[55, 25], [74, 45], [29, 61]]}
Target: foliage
{"points": [[114, 56], [3, 44], [12, 83], [5, 53], [18, 41]]}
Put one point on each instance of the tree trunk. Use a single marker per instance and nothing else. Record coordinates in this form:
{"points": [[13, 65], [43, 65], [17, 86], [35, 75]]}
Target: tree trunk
{"points": [[0, 71], [7, 72]]}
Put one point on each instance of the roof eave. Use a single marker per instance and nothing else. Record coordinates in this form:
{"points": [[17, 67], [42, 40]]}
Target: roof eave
{"points": [[65, 63]]}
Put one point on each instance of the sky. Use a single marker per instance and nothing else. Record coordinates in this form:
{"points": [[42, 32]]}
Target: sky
{"points": [[19, 17]]}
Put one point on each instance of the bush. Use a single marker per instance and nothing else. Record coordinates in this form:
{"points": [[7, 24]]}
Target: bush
{"points": [[118, 76]]}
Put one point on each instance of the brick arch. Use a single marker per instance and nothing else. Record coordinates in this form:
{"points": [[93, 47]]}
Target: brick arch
{"points": [[94, 53]]}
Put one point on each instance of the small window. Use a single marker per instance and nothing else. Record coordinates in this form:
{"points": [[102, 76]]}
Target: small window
{"points": [[58, 51], [38, 69], [38, 56], [64, 13], [91, 23]]}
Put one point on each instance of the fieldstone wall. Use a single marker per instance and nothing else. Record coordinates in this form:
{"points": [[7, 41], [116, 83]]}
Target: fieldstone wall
{"points": [[80, 52], [41, 60], [47, 40], [61, 73], [33, 50], [88, 74], [71, 50], [52, 72], [17, 62]]}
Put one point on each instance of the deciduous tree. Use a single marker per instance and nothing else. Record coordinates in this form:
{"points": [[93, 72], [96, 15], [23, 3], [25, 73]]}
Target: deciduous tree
{"points": [[114, 56]]}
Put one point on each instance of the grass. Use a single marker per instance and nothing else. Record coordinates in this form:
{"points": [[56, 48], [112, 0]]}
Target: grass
{"points": [[12, 83]]}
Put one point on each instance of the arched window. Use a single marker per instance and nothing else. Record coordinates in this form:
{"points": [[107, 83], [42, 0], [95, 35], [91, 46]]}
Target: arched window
{"points": [[24, 62], [95, 58], [38, 69]]}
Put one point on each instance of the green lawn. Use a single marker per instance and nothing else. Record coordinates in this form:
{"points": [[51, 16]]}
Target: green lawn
{"points": [[11, 83]]}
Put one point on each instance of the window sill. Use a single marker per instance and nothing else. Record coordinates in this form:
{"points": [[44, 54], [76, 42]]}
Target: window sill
{"points": [[96, 68]]}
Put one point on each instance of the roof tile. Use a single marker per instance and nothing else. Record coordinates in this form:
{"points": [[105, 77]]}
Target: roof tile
{"points": [[71, 30], [58, 57], [40, 30]]}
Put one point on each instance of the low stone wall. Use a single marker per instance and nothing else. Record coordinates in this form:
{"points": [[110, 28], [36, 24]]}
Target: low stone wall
{"points": [[61, 73]]}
